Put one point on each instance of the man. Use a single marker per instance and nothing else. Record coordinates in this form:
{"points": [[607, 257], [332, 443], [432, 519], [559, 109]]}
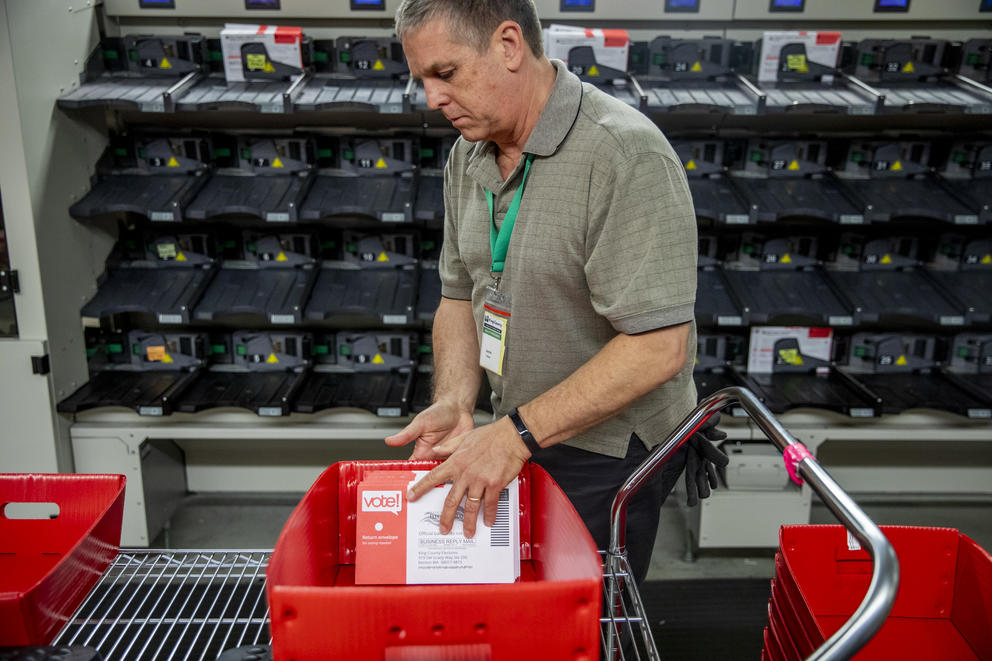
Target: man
{"points": [[568, 274]]}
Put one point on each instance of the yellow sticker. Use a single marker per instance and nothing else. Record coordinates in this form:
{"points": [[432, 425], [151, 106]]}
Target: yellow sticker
{"points": [[165, 64], [790, 356], [281, 257], [378, 360], [987, 259], [909, 68], [156, 354], [382, 257], [786, 259], [379, 66], [897, 166], [181, 257], [167, 358], [381, 164], [697, 67], [797, 63], [593, 71], [886, 259], [277, 163], [256, 62], [691, 165], [268, 67], [272, 359], [794, 165], [173, 163], [902, 361]]}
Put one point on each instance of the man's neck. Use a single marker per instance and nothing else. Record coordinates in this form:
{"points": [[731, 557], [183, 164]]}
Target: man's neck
{"points": [[533, 97]]}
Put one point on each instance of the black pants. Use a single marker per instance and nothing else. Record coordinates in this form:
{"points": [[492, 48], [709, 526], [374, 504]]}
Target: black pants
{"points": [[591, 481]]}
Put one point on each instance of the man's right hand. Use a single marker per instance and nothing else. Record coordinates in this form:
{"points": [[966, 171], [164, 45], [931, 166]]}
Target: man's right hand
{"points": [[432, 426]]}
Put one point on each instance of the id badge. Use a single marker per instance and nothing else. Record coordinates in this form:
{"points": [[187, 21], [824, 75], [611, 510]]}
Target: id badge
{"points": [[495, 322]]}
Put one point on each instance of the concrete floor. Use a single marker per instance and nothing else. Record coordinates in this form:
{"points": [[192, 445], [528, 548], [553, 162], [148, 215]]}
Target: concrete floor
{"points": [[245, 521]]}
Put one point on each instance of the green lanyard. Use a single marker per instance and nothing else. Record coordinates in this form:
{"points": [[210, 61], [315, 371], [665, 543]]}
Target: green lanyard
{"points": [[499, 243]]}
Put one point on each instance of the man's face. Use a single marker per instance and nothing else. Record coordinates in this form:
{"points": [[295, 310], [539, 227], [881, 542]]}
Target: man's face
{"points": [[459, 81]]}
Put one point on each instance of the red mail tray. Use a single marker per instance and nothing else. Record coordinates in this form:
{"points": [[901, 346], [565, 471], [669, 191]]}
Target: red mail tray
{"points": [[943, 609], [318, 612], [47, 566]]}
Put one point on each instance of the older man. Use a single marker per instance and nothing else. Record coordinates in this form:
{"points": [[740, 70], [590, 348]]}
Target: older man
{"points": [[568, 274]]}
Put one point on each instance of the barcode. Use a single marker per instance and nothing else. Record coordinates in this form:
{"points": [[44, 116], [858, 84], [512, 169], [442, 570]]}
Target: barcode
{"points": [[500, 533]]}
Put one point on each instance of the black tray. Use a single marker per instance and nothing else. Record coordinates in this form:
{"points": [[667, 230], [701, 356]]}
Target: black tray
{"points": [[157, 197], [429, 294], [972, 288], [900, 392], [789, 298], [148, 393], [977, 193], [979, 385], [386, 394], [270, 198], [385, 198], [264, 393], [720, 201], [896, 297], [166, 293], [708, 383], [364, 296], [887, 199], [832, 391], [429, 207], [819, 199], [256, 296], [715, 304]]}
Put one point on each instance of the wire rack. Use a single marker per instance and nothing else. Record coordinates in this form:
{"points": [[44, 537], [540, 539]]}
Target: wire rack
{"points": [[165, 605], [624, 627]]}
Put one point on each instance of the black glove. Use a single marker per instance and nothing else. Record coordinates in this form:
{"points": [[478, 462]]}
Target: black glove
{"points": [[700, 471]]}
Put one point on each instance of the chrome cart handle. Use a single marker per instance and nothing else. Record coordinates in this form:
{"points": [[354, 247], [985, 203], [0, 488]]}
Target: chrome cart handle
{"points": [[875, 607]]}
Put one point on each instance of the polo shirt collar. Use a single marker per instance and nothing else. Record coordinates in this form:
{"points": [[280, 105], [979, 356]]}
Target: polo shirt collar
{"points": [[552, 127]]}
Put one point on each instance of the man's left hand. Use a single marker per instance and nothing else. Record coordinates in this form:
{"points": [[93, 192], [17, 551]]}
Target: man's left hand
{"points": [[481, 463]]}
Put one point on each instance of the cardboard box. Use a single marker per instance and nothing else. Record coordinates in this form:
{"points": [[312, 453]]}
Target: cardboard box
{"points": [[400, 542], [610, 47], [821, 48], [789, 349], [261, 52]]}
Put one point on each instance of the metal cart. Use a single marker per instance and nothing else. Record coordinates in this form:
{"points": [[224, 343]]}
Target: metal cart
{"points": [[159, 605]]}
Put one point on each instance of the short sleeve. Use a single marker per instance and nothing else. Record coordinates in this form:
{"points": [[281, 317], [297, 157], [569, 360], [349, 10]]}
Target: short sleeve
{"points": [[456, 283], [641, 245]]}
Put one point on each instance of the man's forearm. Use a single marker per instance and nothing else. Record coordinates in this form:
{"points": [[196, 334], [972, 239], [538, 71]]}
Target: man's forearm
{"points": [[457, 375], [627, 368]]}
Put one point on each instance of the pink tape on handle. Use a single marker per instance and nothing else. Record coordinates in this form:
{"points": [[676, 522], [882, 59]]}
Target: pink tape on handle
{"points": [[792, 455]]}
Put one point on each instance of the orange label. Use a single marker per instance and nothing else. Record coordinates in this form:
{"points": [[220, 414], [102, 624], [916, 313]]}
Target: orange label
{"points": [[156, 354]]}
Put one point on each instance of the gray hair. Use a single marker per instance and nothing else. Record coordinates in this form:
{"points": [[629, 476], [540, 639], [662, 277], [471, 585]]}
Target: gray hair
{"points": [[472, 21]]}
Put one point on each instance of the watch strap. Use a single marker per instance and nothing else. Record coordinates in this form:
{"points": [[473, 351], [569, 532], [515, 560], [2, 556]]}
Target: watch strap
{"points": [[525, 435]]}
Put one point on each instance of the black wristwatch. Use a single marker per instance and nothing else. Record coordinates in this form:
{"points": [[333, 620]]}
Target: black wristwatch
{"points": [[525, 435]]}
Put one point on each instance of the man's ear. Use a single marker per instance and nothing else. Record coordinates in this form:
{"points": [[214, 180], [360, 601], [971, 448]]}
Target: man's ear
{"points": [[509, 41]]}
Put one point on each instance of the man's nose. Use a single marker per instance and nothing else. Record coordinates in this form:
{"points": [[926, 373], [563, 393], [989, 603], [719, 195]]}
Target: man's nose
{"points": [[435, 97]]}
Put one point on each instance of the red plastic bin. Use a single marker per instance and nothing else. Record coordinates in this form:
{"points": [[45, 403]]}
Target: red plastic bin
{"points": [[317, 612], [47, 566], [943, 609]]}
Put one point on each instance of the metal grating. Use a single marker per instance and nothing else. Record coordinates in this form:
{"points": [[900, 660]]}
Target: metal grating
{"points": [[164, 605], [625, 632]]}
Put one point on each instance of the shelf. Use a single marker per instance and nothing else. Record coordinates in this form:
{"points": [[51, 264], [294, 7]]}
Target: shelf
{"points": [[818, 199], [933, 98], [386, 394], [977, 193], [253, 297], [345, 95], [168, 294], [789, 298], [901, 392], [429, 207], [884, 200], [717, 199], [125, 93], [363, 296], [388, 199], [708, 383], [832, 391], [972, 288], [269, 198], [702, 97], [816, 98], [156, 197], [716, 305], [148, 393], [215, 93], [429, 293], [896, 298], [264, 393]]}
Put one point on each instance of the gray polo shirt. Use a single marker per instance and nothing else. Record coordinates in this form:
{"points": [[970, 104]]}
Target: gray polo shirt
{"points": [[604, 243]]}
